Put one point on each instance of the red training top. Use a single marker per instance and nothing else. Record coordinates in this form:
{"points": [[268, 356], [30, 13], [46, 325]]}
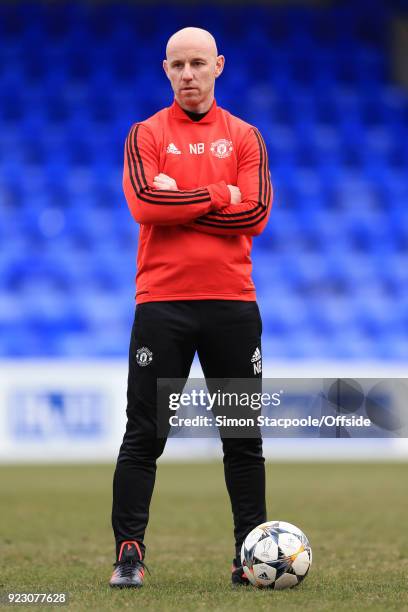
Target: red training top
{"points": [[194, 244]]}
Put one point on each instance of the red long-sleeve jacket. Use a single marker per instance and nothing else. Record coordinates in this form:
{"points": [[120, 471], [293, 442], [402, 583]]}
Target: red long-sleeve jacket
{"points": [[193, 244]]}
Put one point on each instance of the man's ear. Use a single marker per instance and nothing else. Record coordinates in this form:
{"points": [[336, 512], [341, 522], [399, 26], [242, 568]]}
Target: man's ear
{"points": [[219, 65], [166, 68]]}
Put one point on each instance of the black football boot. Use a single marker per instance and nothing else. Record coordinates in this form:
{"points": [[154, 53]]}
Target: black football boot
{"points": [[129, 568]]}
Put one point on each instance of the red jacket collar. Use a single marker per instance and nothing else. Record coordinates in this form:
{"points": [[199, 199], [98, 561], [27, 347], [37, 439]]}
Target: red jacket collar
{"points": [[178, 113]]}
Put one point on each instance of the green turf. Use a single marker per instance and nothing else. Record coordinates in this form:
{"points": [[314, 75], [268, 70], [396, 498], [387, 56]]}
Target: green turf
{"points": [[56, 536]]}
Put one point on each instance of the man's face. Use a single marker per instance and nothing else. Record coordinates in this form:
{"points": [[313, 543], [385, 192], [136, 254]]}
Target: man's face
{"points": [[192, 73]]}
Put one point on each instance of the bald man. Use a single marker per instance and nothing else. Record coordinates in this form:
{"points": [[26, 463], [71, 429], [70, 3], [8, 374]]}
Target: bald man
{"points": [[196, 180]]}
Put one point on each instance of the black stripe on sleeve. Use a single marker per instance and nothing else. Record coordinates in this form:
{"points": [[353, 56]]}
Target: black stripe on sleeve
{"points": [[232, 224], [150, 196], [139, 156], [267, 177], [234, 215], [131, 158]]}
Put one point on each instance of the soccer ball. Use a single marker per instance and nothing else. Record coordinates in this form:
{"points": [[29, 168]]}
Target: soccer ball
{"points": [[276, 555]]}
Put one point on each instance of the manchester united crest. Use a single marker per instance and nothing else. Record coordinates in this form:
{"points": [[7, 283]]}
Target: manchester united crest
{"points": [[221, 148], [144, 356]]}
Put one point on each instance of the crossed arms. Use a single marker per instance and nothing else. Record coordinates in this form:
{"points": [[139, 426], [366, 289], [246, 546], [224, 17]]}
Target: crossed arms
{"points": [[217, 208]]}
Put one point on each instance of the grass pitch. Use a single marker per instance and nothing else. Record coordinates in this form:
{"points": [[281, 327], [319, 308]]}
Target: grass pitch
{"points": [[55, 536]]}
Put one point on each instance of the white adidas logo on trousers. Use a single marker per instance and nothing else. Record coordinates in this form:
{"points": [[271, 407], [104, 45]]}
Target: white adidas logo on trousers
{"points": [[256, 360]]}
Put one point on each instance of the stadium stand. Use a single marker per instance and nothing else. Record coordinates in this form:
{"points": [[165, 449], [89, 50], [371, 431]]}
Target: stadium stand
{"points": [[331, 269]]}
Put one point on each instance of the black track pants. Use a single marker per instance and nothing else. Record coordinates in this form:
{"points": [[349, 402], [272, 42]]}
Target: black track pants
{"points": [[225, 334]]}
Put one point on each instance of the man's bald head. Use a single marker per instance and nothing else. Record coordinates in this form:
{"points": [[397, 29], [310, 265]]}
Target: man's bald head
{"points": [[192, 64], [192, 38]]}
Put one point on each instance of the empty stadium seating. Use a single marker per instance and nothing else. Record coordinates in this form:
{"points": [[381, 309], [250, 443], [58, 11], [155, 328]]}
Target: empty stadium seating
{"points": [[331, 269]]}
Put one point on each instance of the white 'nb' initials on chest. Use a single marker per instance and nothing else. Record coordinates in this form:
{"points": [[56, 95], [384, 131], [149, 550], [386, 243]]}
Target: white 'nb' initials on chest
{"points": [[197, 148]]}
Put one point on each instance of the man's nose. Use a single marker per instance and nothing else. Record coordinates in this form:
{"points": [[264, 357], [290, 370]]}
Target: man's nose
{"points": [[187, 74]]}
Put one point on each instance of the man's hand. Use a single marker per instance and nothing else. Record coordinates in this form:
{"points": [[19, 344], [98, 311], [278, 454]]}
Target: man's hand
{"points": [[162, 181], [235, 194]]}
